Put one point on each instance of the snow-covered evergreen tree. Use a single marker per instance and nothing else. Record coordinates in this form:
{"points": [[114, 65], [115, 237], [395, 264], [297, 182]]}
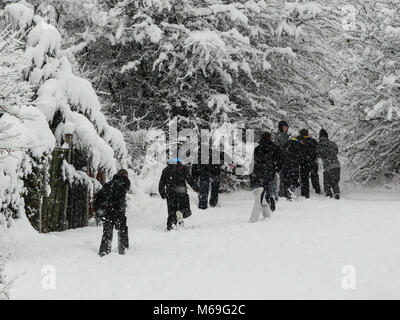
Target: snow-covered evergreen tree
{"points": [[372, 88], [25, 137], [64, 103]]}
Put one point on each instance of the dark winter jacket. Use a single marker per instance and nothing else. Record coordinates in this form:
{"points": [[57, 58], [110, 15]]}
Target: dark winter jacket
{"points": [[281, 138], [266, 162], [308, 151], [328, 151], [173, 181], [113, 195], [291, 155]]}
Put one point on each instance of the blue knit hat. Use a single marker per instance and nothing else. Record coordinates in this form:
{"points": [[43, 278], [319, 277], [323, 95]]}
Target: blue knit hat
{"points": [[174, 161]]}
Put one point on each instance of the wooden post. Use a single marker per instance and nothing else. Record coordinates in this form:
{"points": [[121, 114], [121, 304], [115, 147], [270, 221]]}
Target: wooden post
{"points": [[67, 139], [52, 213]]}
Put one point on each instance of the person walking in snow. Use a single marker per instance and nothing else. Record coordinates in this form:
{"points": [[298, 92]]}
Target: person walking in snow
{"points": [[308, 164], [290, 173], [208, 175], [110, 205], [280, 138], [328, 151], [266, 162], [172, 186]]}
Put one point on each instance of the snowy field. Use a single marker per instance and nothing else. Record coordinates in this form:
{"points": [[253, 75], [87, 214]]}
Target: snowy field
{"points": [[298, 253]]}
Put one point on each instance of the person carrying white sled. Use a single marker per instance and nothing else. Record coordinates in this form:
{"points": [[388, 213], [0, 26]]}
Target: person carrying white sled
{"points": [[266, 162]]}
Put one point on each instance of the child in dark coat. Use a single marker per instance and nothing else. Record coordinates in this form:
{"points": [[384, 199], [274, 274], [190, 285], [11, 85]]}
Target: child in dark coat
{"points": [[110, 205], [172, 186]]}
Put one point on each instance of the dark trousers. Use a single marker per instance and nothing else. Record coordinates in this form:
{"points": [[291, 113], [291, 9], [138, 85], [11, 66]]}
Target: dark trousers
{"points": [[308, 171], [177, 202], [289, 180], [331, 182], [206, 183], [117, 221]]}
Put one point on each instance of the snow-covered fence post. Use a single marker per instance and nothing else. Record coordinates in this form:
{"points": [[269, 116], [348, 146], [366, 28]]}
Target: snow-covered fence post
{"points": [[68, 140]]}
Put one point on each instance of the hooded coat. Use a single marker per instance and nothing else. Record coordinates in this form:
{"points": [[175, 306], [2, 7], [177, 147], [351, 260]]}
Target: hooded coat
{"points": [[308, 151], [173, 181], [112, 197], [266, 162]]}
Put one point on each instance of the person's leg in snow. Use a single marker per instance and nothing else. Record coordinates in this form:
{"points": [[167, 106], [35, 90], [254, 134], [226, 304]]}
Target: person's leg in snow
{"points": [[171, 220], [315, 178], [335, 178], [183, 211], [285, 183], [123, 239], [328, 184], [305, 181], [215, 184], [291, 182], [267, 203], [106, 240], [204, 186], [172, 208], [184, 205]]}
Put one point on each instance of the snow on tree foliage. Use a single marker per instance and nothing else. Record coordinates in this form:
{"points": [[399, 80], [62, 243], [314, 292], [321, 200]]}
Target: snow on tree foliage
{"points": [[248, 62], [25, 136], [63, 102], [154, 61], [373, 91]]}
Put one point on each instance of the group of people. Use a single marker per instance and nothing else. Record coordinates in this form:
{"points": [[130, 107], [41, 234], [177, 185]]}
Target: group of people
{"points": [[281, 164], [204, 178]]}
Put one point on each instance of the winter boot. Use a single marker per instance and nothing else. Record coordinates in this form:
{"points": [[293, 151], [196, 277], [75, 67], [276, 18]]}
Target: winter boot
{"points": [[123, 241], [289, 194], [337, 196], [329, 194], [265, 204], [179, 218], [272, 204], [103, 253], [171, 221]]}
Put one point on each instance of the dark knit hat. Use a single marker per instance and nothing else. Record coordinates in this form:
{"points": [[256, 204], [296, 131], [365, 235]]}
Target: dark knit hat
{"points": [[323, 134], [303, 133]]}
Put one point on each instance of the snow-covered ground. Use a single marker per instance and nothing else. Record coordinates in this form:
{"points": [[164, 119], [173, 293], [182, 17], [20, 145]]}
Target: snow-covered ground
{"points": [[300, 252]]}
